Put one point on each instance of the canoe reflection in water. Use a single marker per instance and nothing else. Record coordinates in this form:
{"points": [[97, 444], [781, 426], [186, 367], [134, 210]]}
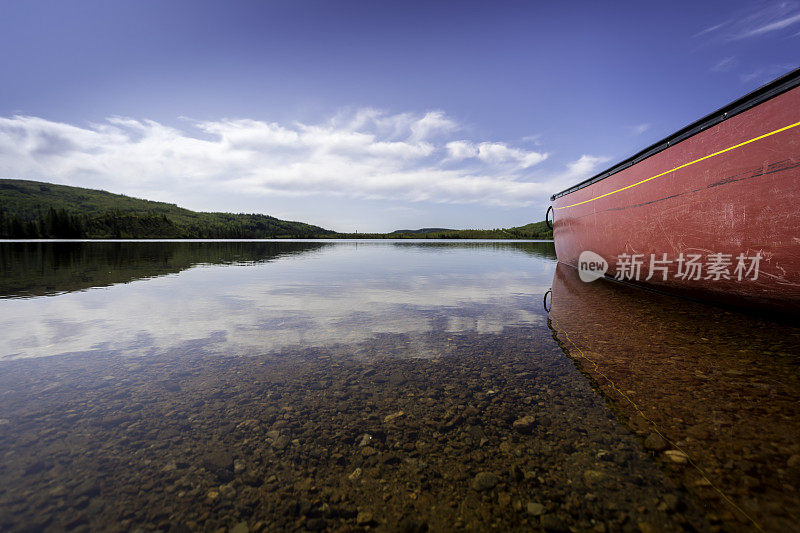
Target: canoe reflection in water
{"points": [[715, 395]]}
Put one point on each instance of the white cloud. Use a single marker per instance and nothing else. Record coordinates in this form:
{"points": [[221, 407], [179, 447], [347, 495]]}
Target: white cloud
{"points": [[755, 20], [576, 171], [494, 153], [535, 139], [461, 150], [638, 129], [771, 26], [431, 124], [584, 167], [724, 65], [710, 29], [499, 153], [364, 153]]}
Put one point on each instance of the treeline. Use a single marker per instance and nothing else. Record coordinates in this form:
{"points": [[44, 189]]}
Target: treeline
{"points": [[55, 223], [535, 231]]}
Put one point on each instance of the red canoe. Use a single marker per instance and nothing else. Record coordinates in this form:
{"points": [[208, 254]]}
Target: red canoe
{"points": [[711, 212]]}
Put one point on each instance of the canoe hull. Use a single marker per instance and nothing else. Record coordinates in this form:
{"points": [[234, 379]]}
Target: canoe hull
{"points": [[731, 189]]}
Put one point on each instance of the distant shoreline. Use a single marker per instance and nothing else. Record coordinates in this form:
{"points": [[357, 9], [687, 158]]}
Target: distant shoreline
{"points": [[272, 239]]}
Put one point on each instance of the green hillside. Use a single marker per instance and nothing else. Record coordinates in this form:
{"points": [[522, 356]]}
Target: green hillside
{"points": [[534, 230], [32, 209]]}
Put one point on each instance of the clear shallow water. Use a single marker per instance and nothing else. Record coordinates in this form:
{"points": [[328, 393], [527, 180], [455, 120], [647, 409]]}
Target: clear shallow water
{"points": [[322, 385], [240, 298]]}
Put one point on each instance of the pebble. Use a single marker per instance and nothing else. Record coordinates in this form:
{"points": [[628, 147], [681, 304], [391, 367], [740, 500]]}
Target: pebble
{"points": [[228, 490], [593, 476], [604, 455], [484, 481], [671, 502], [281, 442], [535, 509], [367, 451], [525, 424], [645, 527], [677, 456], [655, 442], [397, 378], [393, 416], [552, 523], [218, 460], [241, 527], [364, 518]]}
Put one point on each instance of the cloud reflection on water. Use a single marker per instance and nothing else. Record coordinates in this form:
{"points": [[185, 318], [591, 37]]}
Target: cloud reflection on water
{"points": [[342, 295]]}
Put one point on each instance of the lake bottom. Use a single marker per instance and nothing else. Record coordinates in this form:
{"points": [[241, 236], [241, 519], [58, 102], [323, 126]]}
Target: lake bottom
{"points": [[501, 433]]}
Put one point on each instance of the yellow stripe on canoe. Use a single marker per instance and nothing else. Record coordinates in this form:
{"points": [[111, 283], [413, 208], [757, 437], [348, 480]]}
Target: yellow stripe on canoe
{"points": [[754, 139]]}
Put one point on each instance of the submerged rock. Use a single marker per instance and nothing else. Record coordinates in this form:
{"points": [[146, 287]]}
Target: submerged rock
{"points": [[484, 481], [677, 456], [364, 518], [593, 476], [655, 442], [552, 523], [241, 527], [393, 416], [368, 451], [525, 424], [535, 509], [218, 460], [281, 442]]}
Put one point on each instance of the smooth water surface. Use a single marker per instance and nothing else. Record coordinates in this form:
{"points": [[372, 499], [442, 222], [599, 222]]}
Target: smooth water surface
{"points": [[389, 385], [256, 297]]}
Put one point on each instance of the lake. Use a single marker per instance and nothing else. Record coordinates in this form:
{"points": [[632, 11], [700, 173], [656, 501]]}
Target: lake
{"points": [[388, 385]]}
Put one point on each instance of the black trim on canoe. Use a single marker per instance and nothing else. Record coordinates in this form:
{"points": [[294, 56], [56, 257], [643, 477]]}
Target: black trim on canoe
{"points": [[780, 85]]}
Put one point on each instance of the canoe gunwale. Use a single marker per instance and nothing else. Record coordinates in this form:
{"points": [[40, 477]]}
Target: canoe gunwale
{"points": [[766, 92]]}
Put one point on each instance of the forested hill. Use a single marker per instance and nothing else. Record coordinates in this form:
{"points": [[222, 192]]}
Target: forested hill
{"points": [[534, 230], [38, 210], [33, 209]]}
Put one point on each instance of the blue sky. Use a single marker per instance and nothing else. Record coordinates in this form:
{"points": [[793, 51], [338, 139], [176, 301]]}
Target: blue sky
{"points": [[366, 116]]}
